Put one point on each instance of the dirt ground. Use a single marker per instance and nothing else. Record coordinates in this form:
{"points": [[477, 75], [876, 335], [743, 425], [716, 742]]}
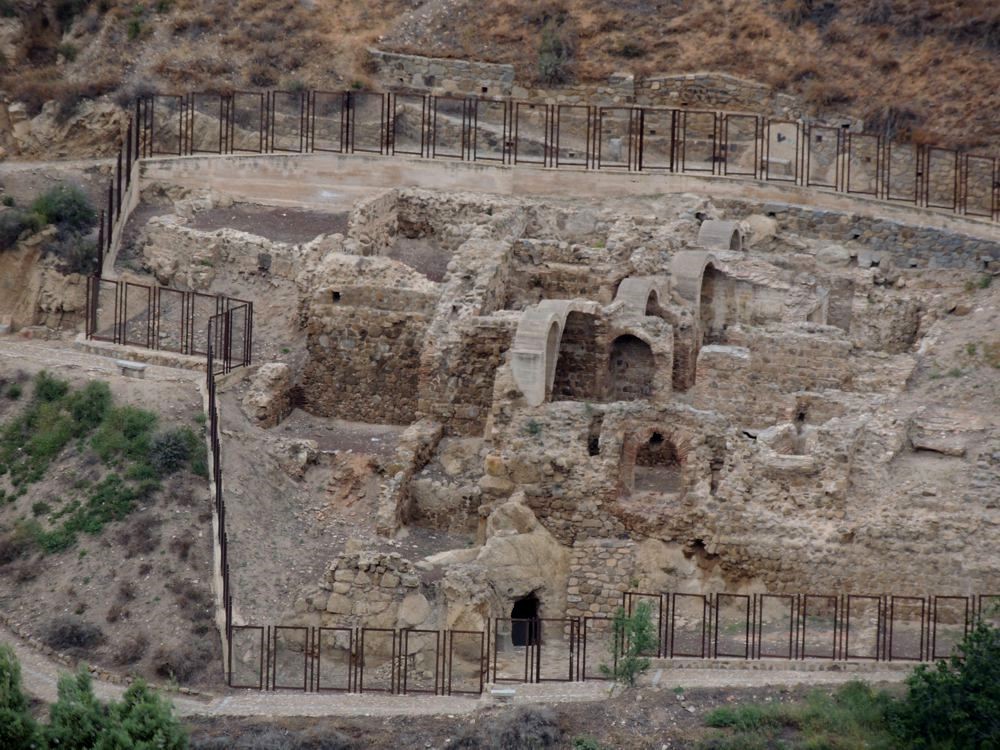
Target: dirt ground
{"points": [[639, 719], [285, 528], [144, 581]]}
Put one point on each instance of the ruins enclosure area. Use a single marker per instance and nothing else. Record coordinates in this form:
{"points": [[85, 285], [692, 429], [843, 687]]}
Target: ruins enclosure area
{"points": [[470, 405], [493, 398]]}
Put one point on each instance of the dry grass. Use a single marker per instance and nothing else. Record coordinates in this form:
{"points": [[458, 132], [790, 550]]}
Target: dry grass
{"points": [[936, 59]]}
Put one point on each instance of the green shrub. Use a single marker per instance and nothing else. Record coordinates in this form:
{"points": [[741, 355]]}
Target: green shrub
{"points": [[48, 388], [18, 730], [14, 224], [77, 720], [40, 508], [7, 200], [68, 51], [124, 434], [172, 449], [142, 720], [76, 253], [14, 392], [632, 636], [90, 405], [955, 704], [66, 206]]}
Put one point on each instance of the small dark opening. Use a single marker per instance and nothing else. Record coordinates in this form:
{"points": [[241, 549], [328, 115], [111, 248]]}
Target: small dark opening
{"points": [[656, 439], [485, 89], [336, 296], [524, 628], [594, 445]]}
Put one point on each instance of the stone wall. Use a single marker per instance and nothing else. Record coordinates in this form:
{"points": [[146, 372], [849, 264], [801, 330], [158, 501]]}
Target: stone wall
{"points": [[373, 222], [363, 363], [441, 76], [907, 246], [752, 376]]}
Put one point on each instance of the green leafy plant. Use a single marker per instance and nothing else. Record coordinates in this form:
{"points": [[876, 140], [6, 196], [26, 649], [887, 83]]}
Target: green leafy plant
{"points": [[632, 636], [14, 391], [66, 206], [7, 200], [955, 704], [172, 449], [16, 224]]}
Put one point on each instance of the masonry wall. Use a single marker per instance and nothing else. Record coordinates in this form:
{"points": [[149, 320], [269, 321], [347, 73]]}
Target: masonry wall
{"points": [[474, 351], [751, 378], [364, 364]]}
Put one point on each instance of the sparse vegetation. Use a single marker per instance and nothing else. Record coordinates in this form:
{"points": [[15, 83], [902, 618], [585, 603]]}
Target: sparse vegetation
{"points": [[554, 53], [632, 637], [529, 727], [67, 207], [15, 224], [86, 420]]}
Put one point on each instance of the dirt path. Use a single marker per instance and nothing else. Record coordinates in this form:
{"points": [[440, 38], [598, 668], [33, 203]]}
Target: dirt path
{"points": [[41, 674]]}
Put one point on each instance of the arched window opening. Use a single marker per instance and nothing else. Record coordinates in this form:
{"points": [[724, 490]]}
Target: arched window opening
{"points": [[712, 313]]}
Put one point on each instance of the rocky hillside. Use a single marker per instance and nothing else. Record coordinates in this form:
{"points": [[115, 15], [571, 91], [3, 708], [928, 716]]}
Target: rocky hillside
{"points": [[927, 69]]}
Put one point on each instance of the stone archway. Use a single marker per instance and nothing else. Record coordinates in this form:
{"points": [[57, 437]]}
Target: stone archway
{"points": [[631, 369]]}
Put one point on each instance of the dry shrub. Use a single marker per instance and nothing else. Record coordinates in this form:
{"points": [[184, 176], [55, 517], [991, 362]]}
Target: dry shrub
{"points": [[141, 536], [182, 547], [116, 612], [183, 662], [520, 728], [195, 602], [36, 86], [130, 649], [70, 633], [825, 94]]}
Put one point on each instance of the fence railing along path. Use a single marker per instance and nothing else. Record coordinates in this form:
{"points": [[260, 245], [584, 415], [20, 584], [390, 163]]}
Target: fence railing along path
{"points": [[617, 137], [579, 136], [718, 626]]}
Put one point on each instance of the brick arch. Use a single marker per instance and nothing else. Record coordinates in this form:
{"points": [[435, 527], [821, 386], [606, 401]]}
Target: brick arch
{"points": [[688, 270]]}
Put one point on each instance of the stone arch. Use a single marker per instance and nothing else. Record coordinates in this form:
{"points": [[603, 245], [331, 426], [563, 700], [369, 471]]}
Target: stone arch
{"points": [[536, 345], [631, 368], [688, 269], [552, 340], [641, 295], [720, 235]]}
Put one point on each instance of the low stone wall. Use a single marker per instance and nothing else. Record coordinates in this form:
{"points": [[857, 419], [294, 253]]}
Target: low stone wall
{"points": [[440, 75], [907, 246]]}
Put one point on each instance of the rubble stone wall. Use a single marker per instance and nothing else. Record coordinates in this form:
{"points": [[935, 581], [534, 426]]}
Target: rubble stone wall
{"points": [[363, 364], [373, 222]]}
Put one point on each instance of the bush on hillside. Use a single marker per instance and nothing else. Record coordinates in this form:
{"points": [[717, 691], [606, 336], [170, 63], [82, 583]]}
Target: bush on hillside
{"points": [[66, 206], [16, 223], [17, 728]]}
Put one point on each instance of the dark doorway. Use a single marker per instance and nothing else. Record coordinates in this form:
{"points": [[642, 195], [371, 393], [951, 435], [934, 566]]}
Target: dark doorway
{"points": [[524, 625]]}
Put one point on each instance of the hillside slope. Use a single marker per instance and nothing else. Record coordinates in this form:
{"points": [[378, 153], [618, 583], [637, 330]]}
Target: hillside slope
{"points": [[929, 69]]}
